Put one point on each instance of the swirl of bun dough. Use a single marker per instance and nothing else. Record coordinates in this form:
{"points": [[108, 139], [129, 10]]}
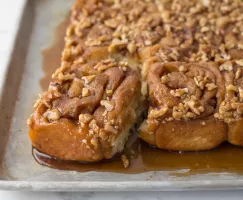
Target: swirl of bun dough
{"points": [[87, 111], [231, 108], [183, 98]]}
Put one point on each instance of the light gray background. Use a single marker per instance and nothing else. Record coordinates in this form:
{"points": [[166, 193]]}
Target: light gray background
{"points": [[9, 13]]}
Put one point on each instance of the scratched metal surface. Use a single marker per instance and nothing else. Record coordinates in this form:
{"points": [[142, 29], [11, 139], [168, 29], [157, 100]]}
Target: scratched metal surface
{"points": [[19, 171]]}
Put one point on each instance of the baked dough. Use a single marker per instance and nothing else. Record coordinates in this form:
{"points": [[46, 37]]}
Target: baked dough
{"points": [[183, 57]]}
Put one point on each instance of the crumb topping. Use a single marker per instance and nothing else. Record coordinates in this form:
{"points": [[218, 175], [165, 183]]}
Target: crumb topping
{"points": [[125, 161]]}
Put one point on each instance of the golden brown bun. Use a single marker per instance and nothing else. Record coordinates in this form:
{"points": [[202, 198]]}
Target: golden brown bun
{"points": [[87, 118], [193, 106], [187, 136]]}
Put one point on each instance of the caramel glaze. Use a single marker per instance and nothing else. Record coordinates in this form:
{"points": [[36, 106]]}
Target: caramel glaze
{"points": [[51, 57], [143, 158]]}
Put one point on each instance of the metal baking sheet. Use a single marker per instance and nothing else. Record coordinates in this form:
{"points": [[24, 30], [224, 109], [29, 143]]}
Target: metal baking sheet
{"points": [[19, 171]]}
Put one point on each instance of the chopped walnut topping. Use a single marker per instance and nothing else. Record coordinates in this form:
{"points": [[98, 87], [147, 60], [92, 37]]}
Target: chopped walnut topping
{"points": [[154, 113], [70, 30], [109, 92], [177, 114], [169, 119], [106, 64], [103, 134], [104, 113], [110, 128], [45, 100], [131, 47], [124, 68], [65, 77], [229, 45], [95, 142], [211, 86], [92, 123], [174, 55], [123, 63], [179, 92], [88, 79], [66, 54], [238, 73], [79, 60], [63, 67], [91, 132], [226, 66], [200, 81], [144, 88], [217, 115], [85, 92], [239, 62], [93, 42], [125, 161], [182, 68], [29, 121], [147, 42], [53, 87], [53, 114], [223, 21], [179, 111], [111, 23], [232, 88], [239, 109], [93, 126], [241, 93], [116, 43], [195, 107], [109, 105], [190, 115], [84, 141], [240, 46], [85, 118], [164, 79], [204, 29], [37, 103]]}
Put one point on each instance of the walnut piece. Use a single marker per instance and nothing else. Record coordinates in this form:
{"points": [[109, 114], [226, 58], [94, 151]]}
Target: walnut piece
{"points": [[131, 47], [125, 161], [154, 113], [179, 92], [110, 128], [239, 62], [182, 68], [164, 79], [85, 118], [226, 66], [232, 88], [211, 86], [200, 81], [85, 92], [53, 114], [65, 77], [195, 107], [109, 105], [88, 79], [106, 64]]}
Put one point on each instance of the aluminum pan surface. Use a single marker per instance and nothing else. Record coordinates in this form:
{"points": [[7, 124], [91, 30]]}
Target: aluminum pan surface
{"points": [[20, 171]]}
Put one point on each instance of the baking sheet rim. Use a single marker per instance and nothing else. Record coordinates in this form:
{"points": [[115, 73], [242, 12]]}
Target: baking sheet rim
{"points": [[122, 186], [174, 185]]}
